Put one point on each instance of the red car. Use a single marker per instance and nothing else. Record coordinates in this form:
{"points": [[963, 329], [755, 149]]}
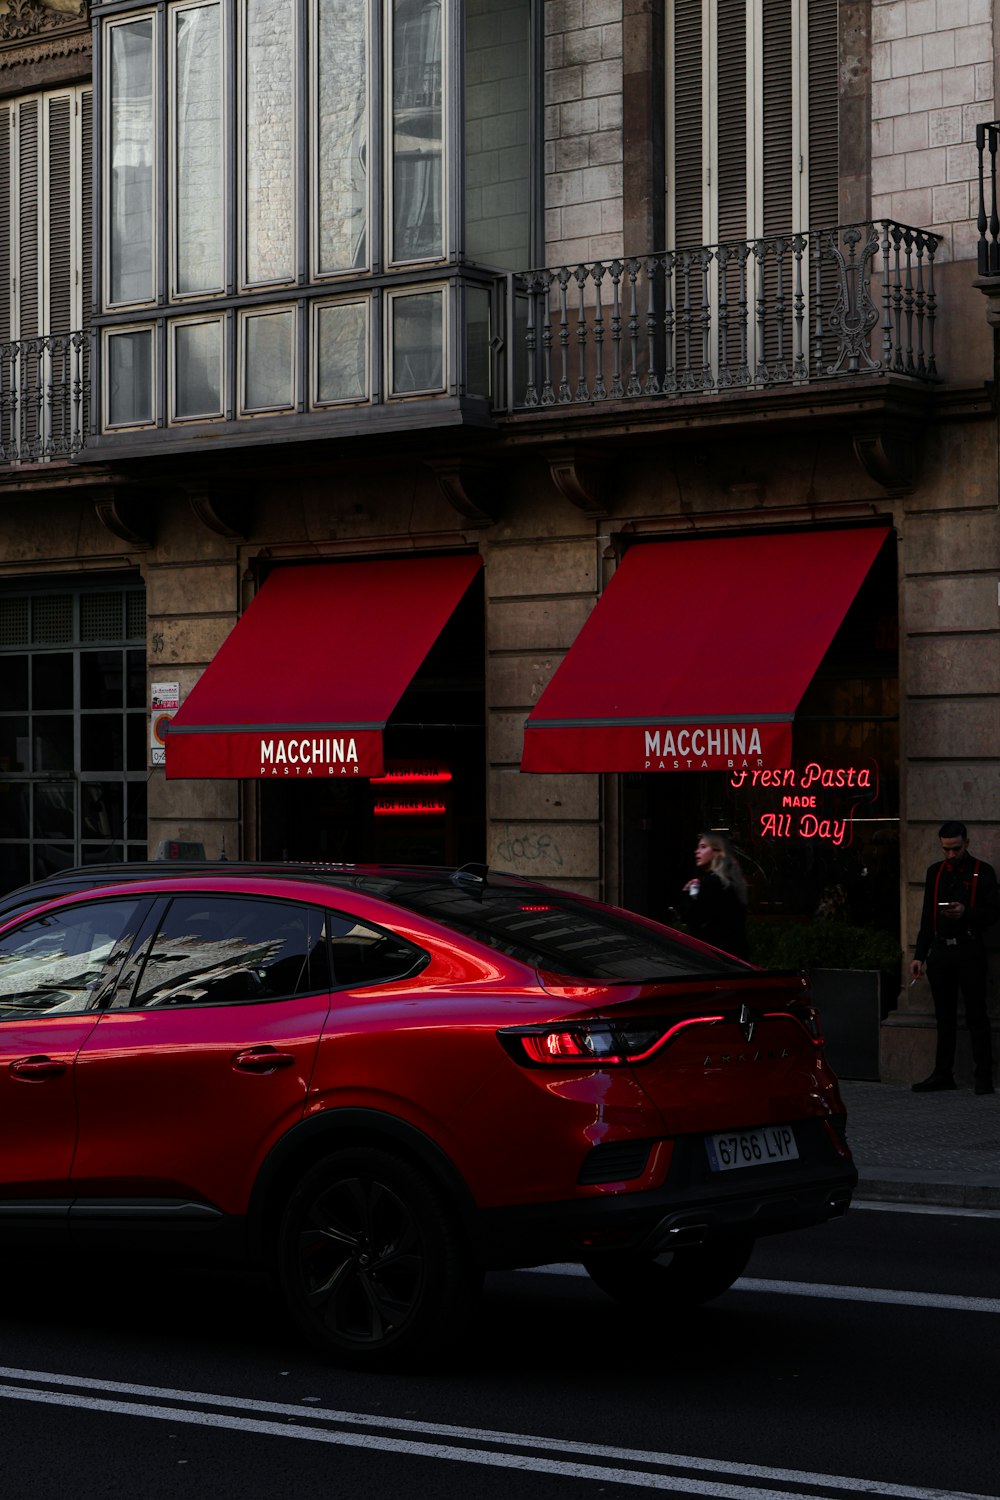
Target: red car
{"points": [[382, 1082]]}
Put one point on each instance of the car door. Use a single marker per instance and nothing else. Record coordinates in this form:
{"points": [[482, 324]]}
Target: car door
{"points": [[55, 967], [203, 1058]]}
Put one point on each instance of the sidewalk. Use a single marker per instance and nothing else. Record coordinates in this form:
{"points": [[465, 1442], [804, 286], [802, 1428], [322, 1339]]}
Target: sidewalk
{"points": [[924, 1148]]}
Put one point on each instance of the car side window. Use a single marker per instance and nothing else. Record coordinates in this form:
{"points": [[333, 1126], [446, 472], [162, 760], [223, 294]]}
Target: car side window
{"points": [[232, 950], [60, 963], [365, 955]]}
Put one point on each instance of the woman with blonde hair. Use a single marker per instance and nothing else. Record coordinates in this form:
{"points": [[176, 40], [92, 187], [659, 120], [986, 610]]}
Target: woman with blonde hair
{"points": [[714, 900]]}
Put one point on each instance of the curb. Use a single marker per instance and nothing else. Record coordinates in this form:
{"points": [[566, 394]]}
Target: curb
{"points": [[897, 1185]]}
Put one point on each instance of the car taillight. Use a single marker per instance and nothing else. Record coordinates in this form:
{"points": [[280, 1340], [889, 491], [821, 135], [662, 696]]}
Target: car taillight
{"points": [[596, 1043]]}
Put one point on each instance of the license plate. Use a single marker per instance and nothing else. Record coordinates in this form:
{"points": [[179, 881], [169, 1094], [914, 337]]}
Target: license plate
{"points": [[751, 1148]]}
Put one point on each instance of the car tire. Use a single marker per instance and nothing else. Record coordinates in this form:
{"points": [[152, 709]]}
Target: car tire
{"points": [[672, 1281], [370, 1262]]}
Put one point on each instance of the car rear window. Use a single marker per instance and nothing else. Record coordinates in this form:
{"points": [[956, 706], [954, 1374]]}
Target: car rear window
{"points": [[557, 932]]}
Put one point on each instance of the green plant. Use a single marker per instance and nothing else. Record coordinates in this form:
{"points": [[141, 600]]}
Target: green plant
{"points": [[822, 945]]}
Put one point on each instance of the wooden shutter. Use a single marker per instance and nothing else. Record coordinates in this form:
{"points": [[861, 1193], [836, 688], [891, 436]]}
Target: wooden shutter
{"points": [[27, 241], [689, 145], [777, 131], [5, 224], [59, 205], [86, 117], [824, 114], [731, 107]]}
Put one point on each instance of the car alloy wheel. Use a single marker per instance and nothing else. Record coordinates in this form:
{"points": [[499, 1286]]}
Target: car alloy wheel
{"points": [[671, 1281], [370, 1264]]}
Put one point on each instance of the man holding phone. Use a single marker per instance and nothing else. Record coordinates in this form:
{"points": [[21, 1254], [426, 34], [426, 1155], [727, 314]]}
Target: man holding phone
{"points": [[961, 900]]}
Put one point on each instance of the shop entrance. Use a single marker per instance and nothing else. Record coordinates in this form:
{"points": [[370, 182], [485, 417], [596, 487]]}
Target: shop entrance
{"points": [[825, 849], [430, 807]]}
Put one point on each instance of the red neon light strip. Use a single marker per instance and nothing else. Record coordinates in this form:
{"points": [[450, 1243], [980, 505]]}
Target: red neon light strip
{"points": [[669, 1035], [408, 809], [411, 778]]}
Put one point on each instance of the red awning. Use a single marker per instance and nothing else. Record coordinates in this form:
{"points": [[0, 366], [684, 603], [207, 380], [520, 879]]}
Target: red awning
{"points": [[304, 683], [698, 652]]}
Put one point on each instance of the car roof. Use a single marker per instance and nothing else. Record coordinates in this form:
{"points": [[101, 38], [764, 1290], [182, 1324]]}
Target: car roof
{"points": [[92, 877]]}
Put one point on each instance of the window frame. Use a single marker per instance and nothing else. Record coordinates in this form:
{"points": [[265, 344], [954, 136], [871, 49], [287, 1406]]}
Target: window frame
{"points": [[126, 330], [398, 294], [123, 999], [104, 985], [386, 116], [217, 320], [317, 308], [172, 117], [373, 175], [245, 283], [110, 26], [245, 316]]}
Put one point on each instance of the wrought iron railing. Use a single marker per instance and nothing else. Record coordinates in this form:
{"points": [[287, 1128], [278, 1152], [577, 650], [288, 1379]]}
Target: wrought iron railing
{"points": [[988, 220], [44, 397], [849, 301]]}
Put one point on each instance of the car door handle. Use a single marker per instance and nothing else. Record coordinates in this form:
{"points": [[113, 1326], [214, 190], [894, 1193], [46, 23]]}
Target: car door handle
{"points": [[262, 1060], [36, 1069]]}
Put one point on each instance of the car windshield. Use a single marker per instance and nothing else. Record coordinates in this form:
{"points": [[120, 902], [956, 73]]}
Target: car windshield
{"points": [[555, 931]]}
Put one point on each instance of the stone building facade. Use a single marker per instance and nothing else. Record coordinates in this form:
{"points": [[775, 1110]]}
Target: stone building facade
{"points": [[551, 493]]}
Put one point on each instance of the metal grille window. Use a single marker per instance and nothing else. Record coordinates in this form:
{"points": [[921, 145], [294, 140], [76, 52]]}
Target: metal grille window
{"points": [[51, 618], [73, 730], [13, 622]]}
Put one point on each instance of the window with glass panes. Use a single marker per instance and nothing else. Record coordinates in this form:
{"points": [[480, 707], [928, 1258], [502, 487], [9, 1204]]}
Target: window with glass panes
{"points": [[73, 730], [308, 145]]}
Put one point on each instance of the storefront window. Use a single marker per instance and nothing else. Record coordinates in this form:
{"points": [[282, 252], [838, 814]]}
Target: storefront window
{"points": [[818, 840], [73, 731]]}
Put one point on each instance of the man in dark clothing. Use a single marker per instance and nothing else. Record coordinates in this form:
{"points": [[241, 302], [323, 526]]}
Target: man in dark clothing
{"points": [[961, 900]]}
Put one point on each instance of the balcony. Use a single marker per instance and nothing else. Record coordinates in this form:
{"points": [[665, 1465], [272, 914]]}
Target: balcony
{"points": [[853, 302], [850, 306], [44, 397], [988, 220]]}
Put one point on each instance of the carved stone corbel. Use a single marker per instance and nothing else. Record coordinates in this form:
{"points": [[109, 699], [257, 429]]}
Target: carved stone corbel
{"points": [[129, 514], [581, 477], [470, 486], [888, 454], [220, 511]]}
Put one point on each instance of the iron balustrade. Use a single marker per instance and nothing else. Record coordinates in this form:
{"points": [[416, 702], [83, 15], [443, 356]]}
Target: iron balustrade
{"points": [[44, 397], [988, 224], [853, 300]]}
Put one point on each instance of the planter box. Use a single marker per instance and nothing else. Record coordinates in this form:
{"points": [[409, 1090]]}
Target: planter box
{"points": [[849, 1005]]}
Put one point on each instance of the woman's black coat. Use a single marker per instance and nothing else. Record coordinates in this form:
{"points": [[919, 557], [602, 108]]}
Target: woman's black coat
{"points": [[716, 915]]}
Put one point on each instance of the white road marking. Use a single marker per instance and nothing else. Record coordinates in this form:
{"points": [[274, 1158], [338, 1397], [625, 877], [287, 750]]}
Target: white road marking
{"points": [[880, 1207], [149, 1405], [828, 1290]]}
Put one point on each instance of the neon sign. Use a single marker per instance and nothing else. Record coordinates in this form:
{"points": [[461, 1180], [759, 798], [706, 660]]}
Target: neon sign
{"points": [[412, 776], [409, 809], [803, 812]]}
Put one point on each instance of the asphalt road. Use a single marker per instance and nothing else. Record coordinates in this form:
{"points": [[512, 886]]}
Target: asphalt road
{"points": [[859, 1358]]}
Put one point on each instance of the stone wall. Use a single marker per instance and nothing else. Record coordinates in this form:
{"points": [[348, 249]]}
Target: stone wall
{"points": [[583, 130], [932, 83], [542, 581]]}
